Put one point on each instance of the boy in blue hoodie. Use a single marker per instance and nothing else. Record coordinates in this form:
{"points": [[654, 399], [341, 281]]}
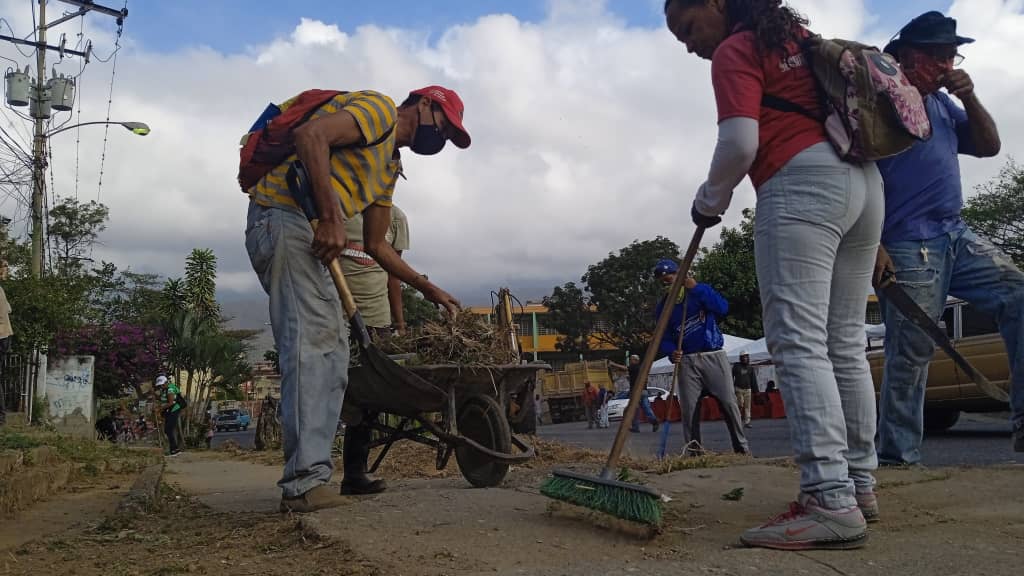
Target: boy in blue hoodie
{"points": [[706, 368]]}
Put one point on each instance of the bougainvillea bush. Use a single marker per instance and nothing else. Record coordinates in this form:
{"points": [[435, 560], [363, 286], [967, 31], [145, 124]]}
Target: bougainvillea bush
{"points": [[127, 355]]}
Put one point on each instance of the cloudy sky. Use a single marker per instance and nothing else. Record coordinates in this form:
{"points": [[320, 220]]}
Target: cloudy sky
{"points": [[591, 126]]}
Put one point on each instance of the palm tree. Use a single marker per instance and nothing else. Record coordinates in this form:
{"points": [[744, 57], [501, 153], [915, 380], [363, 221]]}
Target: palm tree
{"points": [[201, 283]]}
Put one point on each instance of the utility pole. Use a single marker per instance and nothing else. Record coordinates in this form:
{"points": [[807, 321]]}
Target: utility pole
{"points": [[39, 148], [41, 100]]}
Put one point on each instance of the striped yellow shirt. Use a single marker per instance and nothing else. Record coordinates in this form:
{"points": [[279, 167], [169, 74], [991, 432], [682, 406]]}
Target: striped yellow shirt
{"points": [[361, 175]]}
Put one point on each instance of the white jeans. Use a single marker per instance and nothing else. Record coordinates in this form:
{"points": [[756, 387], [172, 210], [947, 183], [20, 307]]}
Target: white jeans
{"points": [[816, 234]]}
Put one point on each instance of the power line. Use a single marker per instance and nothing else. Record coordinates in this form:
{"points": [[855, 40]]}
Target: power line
{"points": [[30, 54], [110, 101]]}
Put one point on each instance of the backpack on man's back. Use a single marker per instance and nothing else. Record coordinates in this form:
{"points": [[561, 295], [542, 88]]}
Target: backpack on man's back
{"points": [[271, 139]]}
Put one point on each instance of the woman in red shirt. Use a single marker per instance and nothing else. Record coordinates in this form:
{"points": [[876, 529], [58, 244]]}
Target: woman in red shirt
{"points": [[817, 227]]}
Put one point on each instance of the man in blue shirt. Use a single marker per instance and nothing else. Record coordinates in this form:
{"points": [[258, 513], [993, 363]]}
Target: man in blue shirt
{"points": [[705, 368], [929, 247]]}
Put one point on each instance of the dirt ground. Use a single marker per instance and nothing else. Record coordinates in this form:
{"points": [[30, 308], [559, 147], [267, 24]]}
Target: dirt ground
{"points": [[935, 521], [185, 537]]}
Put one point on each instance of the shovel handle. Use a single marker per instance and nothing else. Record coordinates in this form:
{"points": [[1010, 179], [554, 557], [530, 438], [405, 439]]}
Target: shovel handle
{"points": [[299, 186]]}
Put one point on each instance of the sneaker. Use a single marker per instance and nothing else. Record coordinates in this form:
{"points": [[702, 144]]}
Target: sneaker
{"points": [[174, 453], [808, 526], [868, 504], [318, 498]]}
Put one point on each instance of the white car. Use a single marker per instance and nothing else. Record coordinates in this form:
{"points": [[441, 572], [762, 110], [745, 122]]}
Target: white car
{"points": [[617, 405]]}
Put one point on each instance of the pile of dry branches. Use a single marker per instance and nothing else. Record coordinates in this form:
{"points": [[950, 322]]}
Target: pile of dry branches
{"points": [[467, 341]]}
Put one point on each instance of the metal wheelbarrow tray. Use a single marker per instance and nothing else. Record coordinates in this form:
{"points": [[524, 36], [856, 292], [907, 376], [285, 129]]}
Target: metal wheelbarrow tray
{"points": [[454, 408]]}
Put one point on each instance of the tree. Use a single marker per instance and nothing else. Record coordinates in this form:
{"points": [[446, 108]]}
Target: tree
{"points": [[274, 358], [17, 252], [172, 298], [623, 289], [201, 283], [417, 310], [997, 211], [569, 313], [43, 308], [74, 228], [729, 268]]}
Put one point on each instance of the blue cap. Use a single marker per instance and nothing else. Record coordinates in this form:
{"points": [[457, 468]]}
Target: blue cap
{"points": [[665, 266]]}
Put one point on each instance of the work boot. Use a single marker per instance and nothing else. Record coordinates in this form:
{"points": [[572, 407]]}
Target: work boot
{"points": [[809, 526], [318, 498], [355, 454], [868, 504]]}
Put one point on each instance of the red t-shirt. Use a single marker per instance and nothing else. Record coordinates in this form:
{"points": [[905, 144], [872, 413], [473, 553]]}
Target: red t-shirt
{"points": [[740, 75]]}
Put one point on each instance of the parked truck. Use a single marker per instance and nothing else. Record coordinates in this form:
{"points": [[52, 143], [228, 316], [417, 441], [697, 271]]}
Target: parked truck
{"points": [[563, 389]]}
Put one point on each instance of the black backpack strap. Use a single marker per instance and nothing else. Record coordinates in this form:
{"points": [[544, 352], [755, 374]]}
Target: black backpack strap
{"points": [[783, 105]]}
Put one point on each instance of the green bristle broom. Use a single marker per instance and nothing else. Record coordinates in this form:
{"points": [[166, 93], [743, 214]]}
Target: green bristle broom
{"points": [[604, 492]]}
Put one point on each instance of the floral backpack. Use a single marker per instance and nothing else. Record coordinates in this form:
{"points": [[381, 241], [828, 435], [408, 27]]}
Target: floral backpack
{"points": [[870, 109]]}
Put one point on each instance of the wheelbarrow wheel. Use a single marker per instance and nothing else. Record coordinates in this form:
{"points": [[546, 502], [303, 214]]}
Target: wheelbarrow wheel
{"points": [[482, 420]]}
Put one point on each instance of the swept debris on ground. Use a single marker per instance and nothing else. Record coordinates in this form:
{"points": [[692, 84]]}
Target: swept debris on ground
{"points": [[411, 460], [185, 537]]}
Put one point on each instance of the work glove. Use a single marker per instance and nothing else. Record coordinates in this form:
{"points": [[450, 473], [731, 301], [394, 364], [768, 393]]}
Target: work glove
{"points": [[702, 220]]}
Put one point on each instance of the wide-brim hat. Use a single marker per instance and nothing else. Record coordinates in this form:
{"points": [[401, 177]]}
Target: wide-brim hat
{"points": [[930, 28], [453, 109]]}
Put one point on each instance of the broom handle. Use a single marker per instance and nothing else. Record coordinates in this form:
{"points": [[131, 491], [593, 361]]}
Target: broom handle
{"points": [[677, 370], [652, 350]]}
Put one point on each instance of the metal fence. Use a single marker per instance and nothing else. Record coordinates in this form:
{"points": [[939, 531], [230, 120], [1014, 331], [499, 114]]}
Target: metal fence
{"points": [[18, 374]]}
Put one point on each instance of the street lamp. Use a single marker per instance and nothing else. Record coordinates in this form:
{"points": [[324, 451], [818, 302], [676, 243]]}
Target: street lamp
{"points": [[140, 128], [38, 166]]}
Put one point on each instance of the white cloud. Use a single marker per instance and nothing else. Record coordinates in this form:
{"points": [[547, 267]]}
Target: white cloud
{"points": [[587, 134]]}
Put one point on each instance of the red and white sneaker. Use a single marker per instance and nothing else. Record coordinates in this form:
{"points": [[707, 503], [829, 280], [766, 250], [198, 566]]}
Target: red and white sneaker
{"points": [[808, 526]]}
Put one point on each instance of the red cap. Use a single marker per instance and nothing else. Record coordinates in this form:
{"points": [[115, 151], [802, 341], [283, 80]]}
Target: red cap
{"points": [[452, 107]]}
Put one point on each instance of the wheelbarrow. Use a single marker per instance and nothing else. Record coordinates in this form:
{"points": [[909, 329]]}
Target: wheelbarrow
{"points": [[454, 409]]}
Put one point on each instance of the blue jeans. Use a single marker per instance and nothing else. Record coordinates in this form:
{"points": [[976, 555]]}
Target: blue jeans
{"points": [[965, 266], [645, 405], [311, 333], [816, 235]]}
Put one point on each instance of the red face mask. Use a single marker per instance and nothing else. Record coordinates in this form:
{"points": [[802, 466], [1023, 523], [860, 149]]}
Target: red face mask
{"points": [[924, 71]]}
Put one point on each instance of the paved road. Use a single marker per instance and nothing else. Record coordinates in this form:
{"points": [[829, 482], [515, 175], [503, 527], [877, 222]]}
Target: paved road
{"points": [[244, 439], [975, 440]]}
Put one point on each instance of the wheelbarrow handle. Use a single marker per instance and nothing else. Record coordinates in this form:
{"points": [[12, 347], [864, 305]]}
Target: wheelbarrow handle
{"points": [[300, 186]]}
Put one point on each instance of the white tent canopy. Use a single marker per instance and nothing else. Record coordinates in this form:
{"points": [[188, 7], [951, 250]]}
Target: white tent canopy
{"points": [[757, 350]]}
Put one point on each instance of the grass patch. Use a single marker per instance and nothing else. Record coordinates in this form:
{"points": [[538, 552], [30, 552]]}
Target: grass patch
{"points": [[16, 441], [92, 455]]}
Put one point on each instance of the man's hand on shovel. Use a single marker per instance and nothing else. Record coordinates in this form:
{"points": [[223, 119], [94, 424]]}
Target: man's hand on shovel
{"points": [[329, 240]]}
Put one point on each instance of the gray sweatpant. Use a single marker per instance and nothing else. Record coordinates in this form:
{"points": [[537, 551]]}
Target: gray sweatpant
{"points": [[709, 373]]}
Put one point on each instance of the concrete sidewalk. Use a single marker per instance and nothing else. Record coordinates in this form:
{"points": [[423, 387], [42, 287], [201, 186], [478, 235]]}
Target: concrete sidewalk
{"points": [[934, 521]]}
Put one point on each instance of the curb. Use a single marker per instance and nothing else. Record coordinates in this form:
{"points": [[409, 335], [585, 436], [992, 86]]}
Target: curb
{"points": [[144, 492]]}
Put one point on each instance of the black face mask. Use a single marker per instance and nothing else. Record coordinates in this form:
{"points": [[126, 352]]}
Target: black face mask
{"points": [[429, 139]]}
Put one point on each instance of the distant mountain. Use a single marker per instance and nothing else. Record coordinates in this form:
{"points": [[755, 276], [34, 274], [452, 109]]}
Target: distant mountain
{"points": [[250, 314]]}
